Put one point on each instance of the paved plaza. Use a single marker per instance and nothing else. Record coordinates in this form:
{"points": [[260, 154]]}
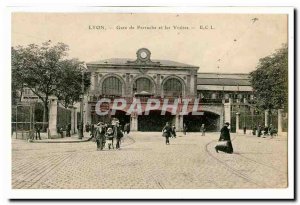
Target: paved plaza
{"points": [[145, 162]]}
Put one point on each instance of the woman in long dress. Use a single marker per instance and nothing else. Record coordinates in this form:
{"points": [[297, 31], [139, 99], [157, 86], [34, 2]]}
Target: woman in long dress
{"points": [[225, 137]]}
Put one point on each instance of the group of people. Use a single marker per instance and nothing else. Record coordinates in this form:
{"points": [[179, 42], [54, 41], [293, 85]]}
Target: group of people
{"points": [[61, 129], [261, 131], [109, 135]]}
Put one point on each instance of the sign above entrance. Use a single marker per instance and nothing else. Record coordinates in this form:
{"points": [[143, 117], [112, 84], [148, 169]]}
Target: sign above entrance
{"points": [[143, 58]]}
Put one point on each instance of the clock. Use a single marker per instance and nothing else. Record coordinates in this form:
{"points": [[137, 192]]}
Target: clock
{"points": [[143, 55]]}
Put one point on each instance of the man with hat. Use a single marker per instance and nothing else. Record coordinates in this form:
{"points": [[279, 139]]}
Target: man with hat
{"points": [[100, 135], [224, 143], [118, 134]]}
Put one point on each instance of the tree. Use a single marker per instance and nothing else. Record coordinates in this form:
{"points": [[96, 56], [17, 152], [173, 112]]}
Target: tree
{"points": [[270, 81], [70, 84], [43, 70]]}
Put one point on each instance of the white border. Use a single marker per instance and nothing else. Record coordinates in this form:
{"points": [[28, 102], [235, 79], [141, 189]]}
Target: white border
{"points": [[144, 193]]}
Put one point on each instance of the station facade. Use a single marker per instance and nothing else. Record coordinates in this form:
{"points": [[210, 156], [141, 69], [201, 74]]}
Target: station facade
{"points": [[144, 78]]}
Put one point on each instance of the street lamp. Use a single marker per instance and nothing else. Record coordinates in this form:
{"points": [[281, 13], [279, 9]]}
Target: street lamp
{"points": [[83, 68]]}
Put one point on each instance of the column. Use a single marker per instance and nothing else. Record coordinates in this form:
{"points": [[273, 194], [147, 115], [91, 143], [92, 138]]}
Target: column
{"points": [[73, 124], [158, 86], [127, 87], [280, 121], [266, 118], [88, 115], [53, 118], [179, 123], [237, 122], [188, 85], [133, 122], [192, 85], [93, 81], [227, 112]]}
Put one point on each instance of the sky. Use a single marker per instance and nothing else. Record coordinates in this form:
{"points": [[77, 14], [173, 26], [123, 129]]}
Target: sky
{"points": [[231, 43]]}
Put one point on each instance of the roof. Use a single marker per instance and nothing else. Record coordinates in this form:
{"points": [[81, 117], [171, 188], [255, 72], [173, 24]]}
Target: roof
{"points": [[224, 88], [124, 61], [223, 79], [224, 75]]}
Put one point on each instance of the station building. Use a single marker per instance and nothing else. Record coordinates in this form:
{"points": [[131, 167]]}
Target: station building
{"points": [[143, 78]]}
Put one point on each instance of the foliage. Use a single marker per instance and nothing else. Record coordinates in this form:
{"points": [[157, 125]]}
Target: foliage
{"points": [[270, 80], [70, 84], [46, 72]]}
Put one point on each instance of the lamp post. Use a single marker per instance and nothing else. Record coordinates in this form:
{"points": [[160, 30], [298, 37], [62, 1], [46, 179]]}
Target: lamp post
{"points": [[80, 134]]}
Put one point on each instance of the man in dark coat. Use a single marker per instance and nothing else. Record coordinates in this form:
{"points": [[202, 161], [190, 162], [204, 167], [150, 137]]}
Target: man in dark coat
{"points": [[68, 133], [127, 128], [184, 128], [100, 135], [173, 131], [225, 136], [167, 131], [118, 134], [92, 131], [37, 131], [259, 130]]}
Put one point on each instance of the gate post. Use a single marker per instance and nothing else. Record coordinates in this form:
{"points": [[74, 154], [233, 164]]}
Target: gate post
{"points": [[266, 118], [73, 120], [53, 118]]}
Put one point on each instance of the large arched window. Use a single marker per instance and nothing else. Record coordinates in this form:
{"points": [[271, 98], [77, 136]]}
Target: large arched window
{"points": [[142, 84], [112, 86], [173, 87]]}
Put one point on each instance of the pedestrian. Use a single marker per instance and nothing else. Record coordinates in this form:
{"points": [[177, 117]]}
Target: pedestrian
{"points": [[259, 129], [224, 143], [68, 130], [100, 136], [254, 130], [173, 131], [37, 131], [184, 128], [126, 128], [118, 134], [87, 127], [245, 129], [271, 130], [110, 137], [92, 131], [166, 132], [202, 130], [62, 132]]}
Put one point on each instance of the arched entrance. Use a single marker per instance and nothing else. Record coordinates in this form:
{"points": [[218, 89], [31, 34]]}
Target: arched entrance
{"points": [[209, 119], [122, 117], [154, 122]]}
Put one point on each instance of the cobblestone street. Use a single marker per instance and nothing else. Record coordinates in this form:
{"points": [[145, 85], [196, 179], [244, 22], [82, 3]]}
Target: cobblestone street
{"points": [[145, 162]]}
